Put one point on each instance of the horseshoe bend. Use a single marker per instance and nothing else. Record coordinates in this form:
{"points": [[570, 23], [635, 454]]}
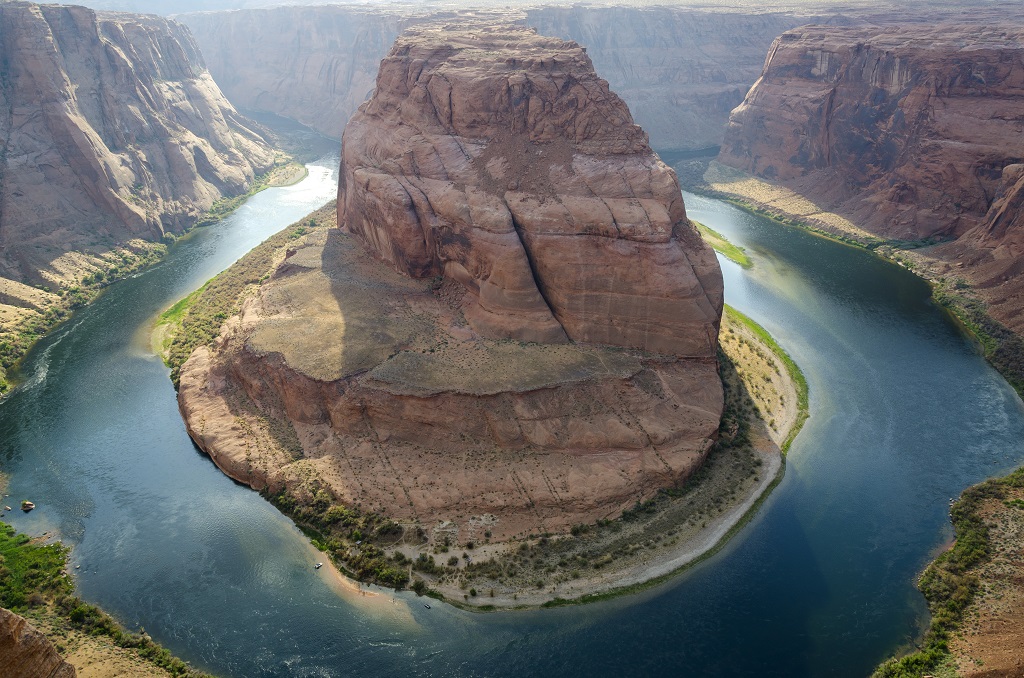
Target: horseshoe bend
{"points": [[505, 329]]}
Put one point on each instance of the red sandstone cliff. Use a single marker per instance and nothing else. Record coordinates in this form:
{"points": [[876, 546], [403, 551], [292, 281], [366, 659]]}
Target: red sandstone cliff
{"points": [[26, 653], [111, 129], [904, 129], [910, 131], [497, 158]]}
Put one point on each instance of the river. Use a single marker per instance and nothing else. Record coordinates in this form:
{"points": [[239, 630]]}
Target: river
{"points": [[904, 415]]}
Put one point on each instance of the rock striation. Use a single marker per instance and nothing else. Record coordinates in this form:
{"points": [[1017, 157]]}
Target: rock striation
{"points": [[912, 132], [513, 331], [111, 129], [496, 157], [26, 653], [906, 129]]}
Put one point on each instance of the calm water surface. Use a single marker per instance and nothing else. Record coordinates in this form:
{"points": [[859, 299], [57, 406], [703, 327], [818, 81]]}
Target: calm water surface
{"points": [[904, 416]]}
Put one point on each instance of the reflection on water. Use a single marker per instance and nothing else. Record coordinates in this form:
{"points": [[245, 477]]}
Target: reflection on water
{"points": [[904, 415]]}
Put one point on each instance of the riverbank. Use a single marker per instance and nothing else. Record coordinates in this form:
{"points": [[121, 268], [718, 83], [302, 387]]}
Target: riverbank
{"points": [[974, 590], [1001, 347], [35, 583], [766, 403], [27, 313]]}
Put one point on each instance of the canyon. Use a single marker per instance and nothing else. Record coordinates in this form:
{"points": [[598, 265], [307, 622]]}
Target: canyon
{"points": [[513, 327], [681, 70], [114, 136], [914, 133]]}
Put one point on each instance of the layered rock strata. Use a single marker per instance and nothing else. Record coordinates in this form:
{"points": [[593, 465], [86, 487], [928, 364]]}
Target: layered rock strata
{"points": [[111, 129], [497, 158], [911, 132], [26, 653], [515, 328]]}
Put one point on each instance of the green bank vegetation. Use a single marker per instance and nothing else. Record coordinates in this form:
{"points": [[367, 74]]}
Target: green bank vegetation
{"points": [[721, 245], [34, 583], [116, 265], [802, 391], [123, 262], [196, 320], [949, 583]]}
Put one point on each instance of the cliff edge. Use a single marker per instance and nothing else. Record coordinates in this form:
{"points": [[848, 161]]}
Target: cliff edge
{"points": [[26, 653]]}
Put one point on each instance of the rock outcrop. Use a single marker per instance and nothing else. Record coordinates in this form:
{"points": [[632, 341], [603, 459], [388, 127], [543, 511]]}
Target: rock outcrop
{"points": [[26, 653], [905, 129], [515, 329], [111, 129], [499, 159]]}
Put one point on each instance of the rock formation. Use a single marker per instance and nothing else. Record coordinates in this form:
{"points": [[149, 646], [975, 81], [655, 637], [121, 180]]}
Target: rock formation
{"points": [[503, 162], [912, 132], [26, 653], [111, 129], [520, 332]]}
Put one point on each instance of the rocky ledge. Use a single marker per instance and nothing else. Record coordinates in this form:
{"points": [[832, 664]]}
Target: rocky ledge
{"points": [[26, 653], [513, 331]]}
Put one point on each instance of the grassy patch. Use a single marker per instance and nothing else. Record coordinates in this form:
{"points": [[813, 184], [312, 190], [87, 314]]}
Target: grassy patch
{"points": [[803, 399], [721, 245], [949, 583], [196, 320], [33, 581], [1002, 348]]}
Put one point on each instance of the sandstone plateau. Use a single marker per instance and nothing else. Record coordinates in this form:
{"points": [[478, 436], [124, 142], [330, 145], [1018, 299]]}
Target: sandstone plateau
{"points": [[515, 327], [26, 653], [912, 132]]}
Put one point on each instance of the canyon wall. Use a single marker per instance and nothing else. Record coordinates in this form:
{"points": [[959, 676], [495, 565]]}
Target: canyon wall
{"points": [[311, 64], [912, 132], [111, 129], [905, 129], [680, 70]]}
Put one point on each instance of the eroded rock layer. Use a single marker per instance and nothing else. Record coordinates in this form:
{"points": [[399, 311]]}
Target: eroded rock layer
{"points": [[496, 157], [515, 330], [26, 653], [907, 129], [912, 132], [111, 129]]}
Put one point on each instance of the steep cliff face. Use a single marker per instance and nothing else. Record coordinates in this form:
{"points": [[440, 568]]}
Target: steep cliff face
{"points": [[312, 64], [111, 129], [493, 189], [680, 71], [907, 130], [26, 653], [502, 161]]}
